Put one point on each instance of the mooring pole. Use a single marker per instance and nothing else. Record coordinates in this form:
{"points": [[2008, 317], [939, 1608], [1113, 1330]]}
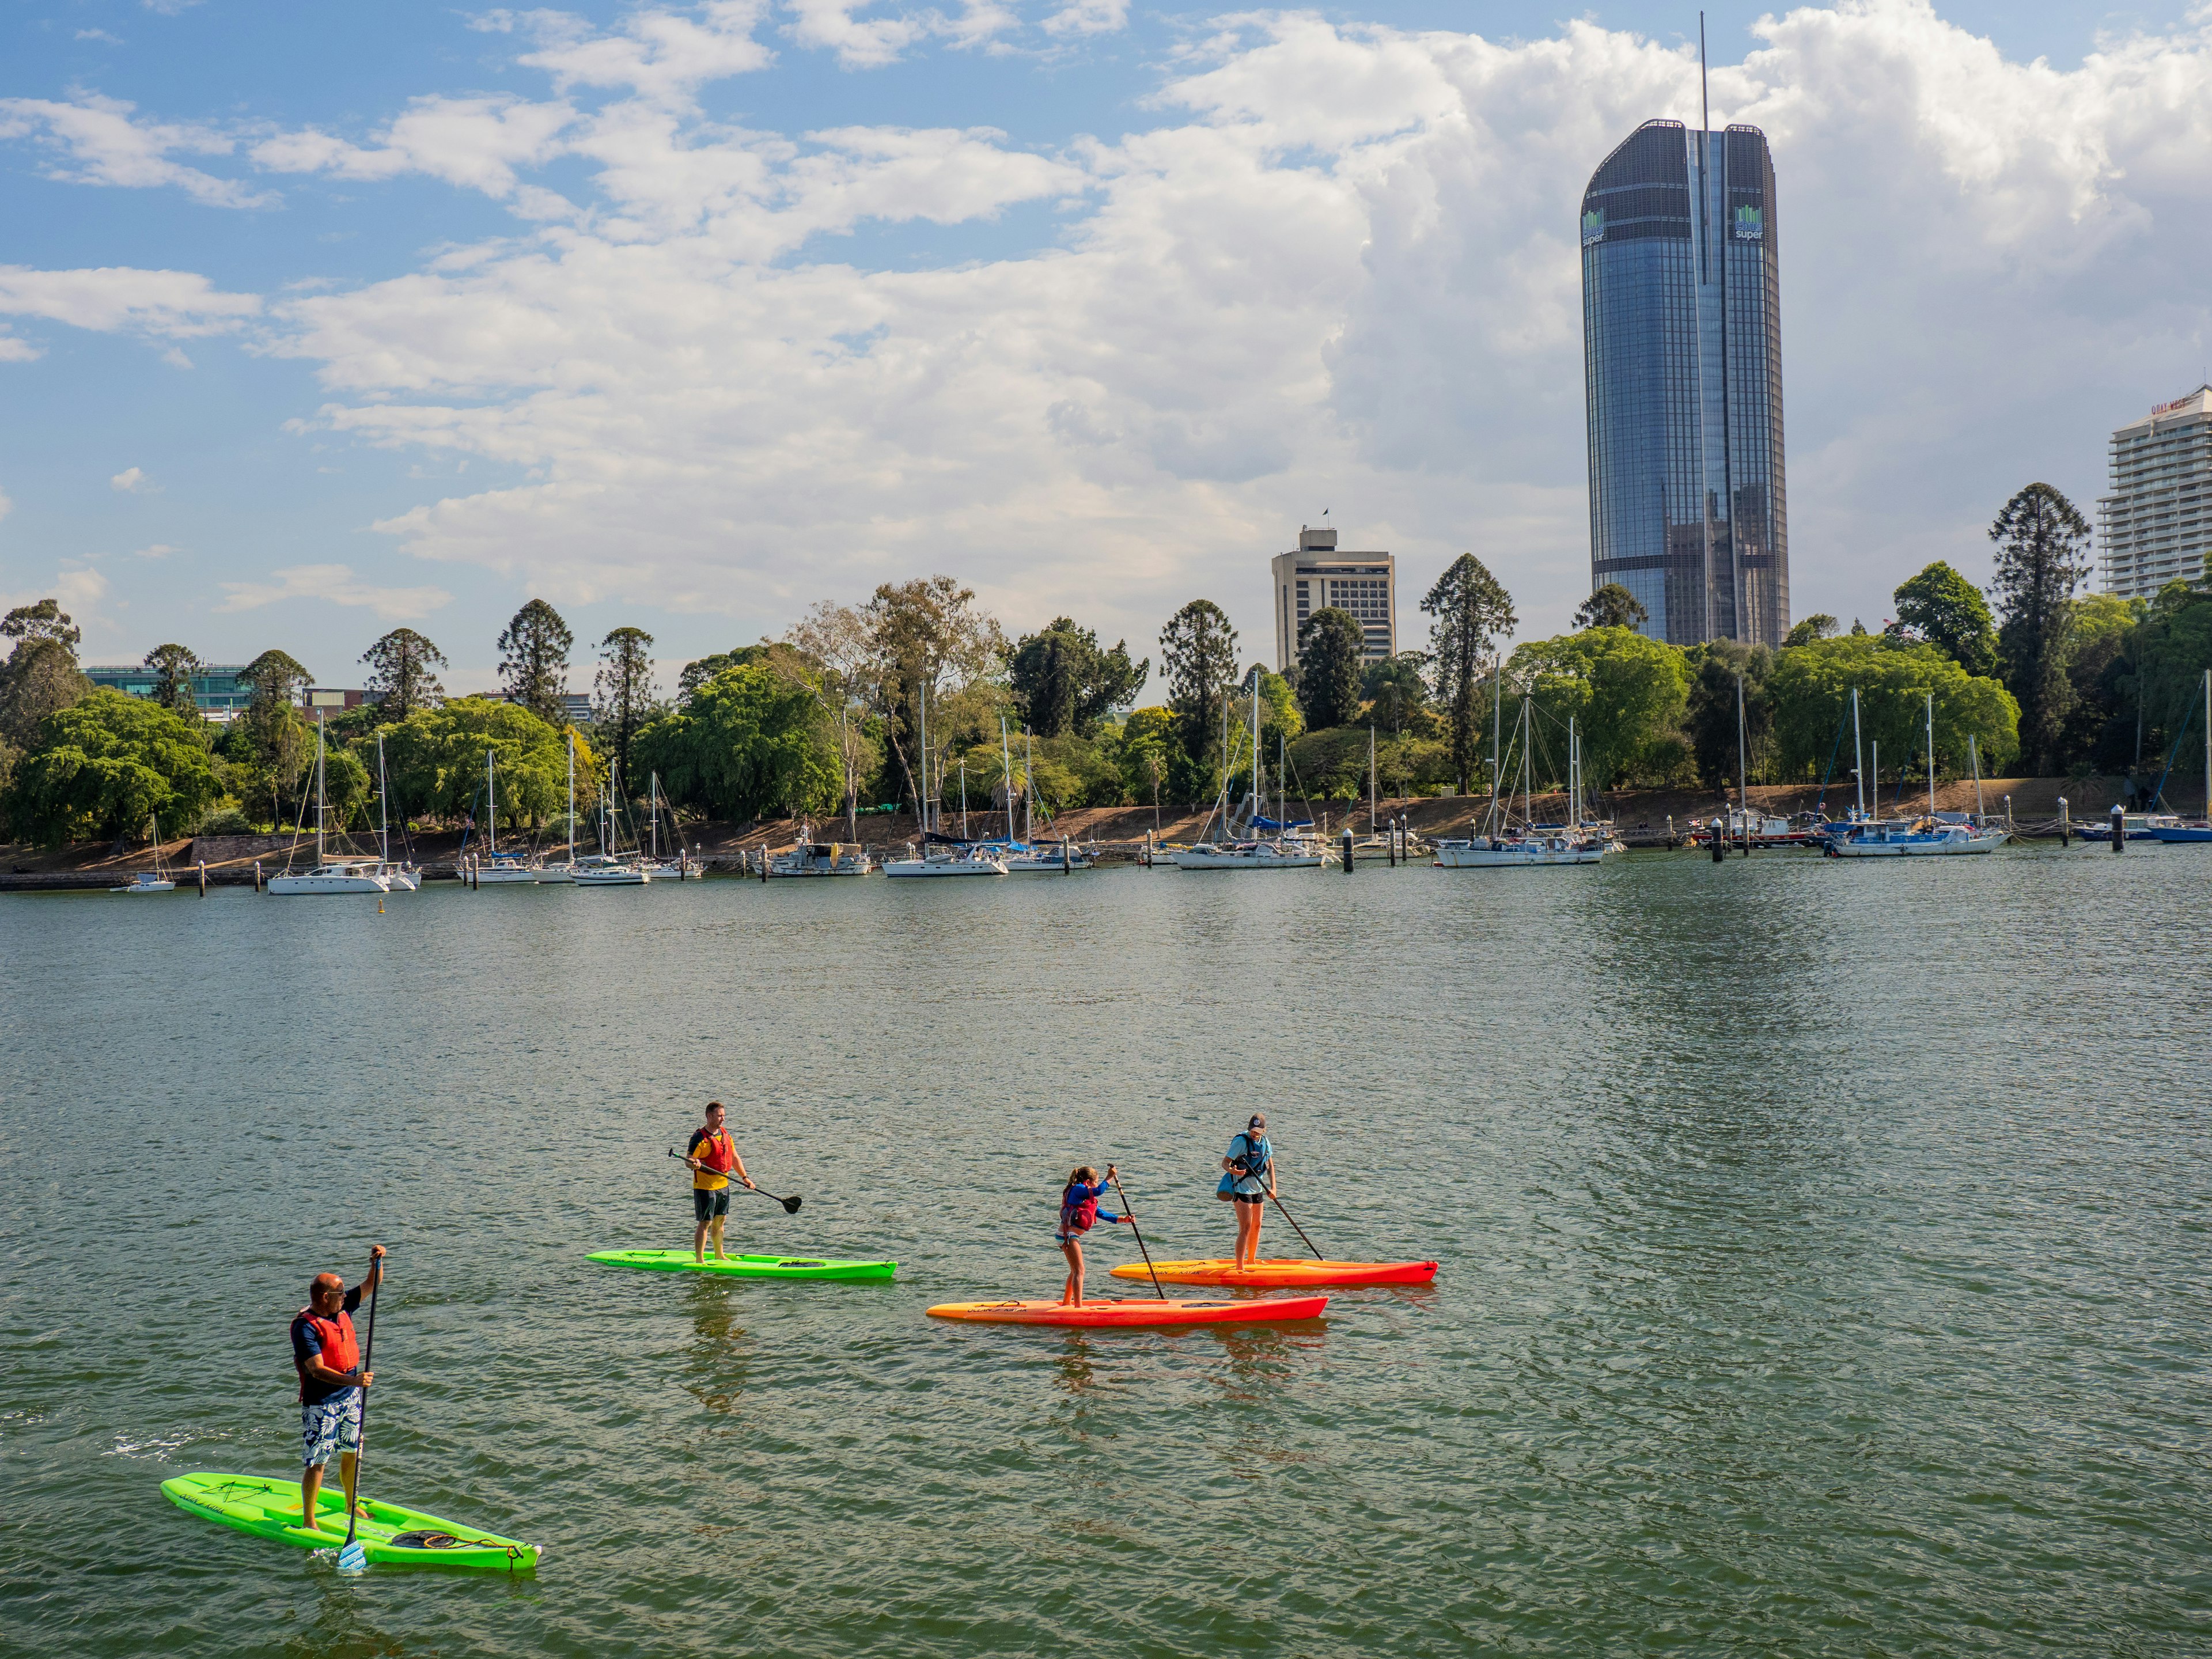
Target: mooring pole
{"points": [[2065, 824], [2119, 829], [1347, 850]]}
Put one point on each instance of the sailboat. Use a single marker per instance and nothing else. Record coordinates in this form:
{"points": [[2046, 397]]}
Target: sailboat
{"points": [[2200, 831], [1022, 855], [155, 880], [683, 867], [1933, 835], [329, 875], [496, 868], [1502, 847], [404, 878], [1251, 853], [611, 866]]}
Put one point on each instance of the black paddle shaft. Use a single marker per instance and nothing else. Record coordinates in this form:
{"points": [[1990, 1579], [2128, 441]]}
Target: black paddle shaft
{"points": [[367, 1359], [790, 1204], [1126, 1207], [1299, 1230]]}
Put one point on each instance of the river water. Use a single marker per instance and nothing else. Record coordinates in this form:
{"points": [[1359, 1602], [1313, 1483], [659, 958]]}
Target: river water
{"points": [[1826, 1260]]}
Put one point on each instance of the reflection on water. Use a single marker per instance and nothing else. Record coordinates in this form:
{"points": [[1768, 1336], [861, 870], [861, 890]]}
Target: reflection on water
{"points": [[1825, 1271]]}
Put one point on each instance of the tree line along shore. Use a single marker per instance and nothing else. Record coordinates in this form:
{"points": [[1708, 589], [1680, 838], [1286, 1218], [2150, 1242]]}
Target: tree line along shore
{"points": [[860, 711]]}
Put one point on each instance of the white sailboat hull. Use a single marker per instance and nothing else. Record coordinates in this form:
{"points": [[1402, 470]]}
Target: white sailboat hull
{"points": [[1261, 857], [327, 881], [1917, 846], [973, 867], [142, 885], [506, 875], [1517, 854]]}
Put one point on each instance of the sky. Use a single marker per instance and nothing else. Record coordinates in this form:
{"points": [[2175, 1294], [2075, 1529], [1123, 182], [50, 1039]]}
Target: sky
{"points": [[320, 321]]}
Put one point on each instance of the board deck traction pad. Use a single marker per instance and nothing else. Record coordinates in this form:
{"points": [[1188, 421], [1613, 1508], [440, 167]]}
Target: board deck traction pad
{"points": [[1136, 1312], [747, 1267], [266, 1507], [1291, 1273]]}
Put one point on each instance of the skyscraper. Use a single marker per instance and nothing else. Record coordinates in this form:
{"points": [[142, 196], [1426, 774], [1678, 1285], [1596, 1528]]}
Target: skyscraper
{"points": [[1682, 370], [2156, 525], [1317, 575]]}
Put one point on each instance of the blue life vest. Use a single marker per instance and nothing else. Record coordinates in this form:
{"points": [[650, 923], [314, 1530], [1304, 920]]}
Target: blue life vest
{"points": [[1256, 1157]]}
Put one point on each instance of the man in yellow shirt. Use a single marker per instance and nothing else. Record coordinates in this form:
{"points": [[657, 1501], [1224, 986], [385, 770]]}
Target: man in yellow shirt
{"points": [[714, 1158]]}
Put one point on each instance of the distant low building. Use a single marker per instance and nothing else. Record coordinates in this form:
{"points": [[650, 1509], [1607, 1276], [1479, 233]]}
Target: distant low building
{"points": [[331, 700], [2156, 525], [1318, 577], [576, 706], [216, 689]]}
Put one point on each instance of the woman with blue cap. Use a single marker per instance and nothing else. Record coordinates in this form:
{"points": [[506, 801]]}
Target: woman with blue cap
{"points": [[1249, 1182]]}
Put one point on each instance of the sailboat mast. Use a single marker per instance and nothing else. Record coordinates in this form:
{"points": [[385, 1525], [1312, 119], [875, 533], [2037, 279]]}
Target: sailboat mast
{"points": [[319, 808], [1259, 787], [963, 798], [1742, 766], [1527, 768], [1496, 732], [1931, 754], [1974, 759], [1006, 774], [653, 806], [572, 796], [1574, 779], [1873, 765], [491, 804], [1857, 751], [1371, 780], [921, 806], [1029, 782]]}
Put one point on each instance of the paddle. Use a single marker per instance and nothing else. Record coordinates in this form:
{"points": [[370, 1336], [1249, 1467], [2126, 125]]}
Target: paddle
{"points": [[1299, 1230], [353, 1558], [1139, 1232], [790, 1204]]}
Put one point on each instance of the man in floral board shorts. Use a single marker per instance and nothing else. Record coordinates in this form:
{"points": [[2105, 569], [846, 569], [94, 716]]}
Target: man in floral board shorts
{"points": [[327, 1357]]}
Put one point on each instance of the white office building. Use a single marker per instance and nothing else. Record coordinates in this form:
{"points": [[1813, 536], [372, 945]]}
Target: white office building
{"points": [[1317, 576], [2156, 525]]}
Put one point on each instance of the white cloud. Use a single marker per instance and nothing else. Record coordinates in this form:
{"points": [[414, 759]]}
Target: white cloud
{"points": [[98, 34], [169, 8], [14, 350], [102, 145], [179, 304], [1089, 17], [334, 584], [6, 505], [473, 142], [133, 481], [154, 551], [81, 592], [661, 54]]}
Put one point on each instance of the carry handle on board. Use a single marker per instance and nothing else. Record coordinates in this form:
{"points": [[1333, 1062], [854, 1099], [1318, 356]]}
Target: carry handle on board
{"points": [[790, 1204]]}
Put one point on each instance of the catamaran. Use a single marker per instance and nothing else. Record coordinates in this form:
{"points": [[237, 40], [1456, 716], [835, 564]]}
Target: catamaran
{"points": [[329, 875]]}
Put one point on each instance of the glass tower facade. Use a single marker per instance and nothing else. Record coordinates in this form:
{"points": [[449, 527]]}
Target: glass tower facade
{"points": [[1682, 371]]}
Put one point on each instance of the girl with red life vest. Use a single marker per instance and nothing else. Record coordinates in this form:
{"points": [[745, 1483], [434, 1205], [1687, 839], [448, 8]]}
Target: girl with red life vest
{"points": [[1078, 1208]]}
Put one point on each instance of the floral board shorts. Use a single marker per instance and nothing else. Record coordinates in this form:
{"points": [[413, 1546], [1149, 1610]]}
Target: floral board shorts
{"points": [[329, 1425]]}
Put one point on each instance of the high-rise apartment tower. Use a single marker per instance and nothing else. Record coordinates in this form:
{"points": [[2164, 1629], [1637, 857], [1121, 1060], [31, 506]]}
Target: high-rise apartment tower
{"points": [[1682, 371], [2156, 525]]}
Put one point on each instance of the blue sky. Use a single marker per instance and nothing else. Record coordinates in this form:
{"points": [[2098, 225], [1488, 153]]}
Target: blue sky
{"points": [[322, 319]]}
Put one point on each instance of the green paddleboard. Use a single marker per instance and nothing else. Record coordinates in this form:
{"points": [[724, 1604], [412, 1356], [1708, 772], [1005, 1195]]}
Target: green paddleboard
{"points": [[392, 1536], [747, 1267]]}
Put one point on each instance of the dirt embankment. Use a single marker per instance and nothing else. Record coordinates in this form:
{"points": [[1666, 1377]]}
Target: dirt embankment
{"points": [[1644, 817]]}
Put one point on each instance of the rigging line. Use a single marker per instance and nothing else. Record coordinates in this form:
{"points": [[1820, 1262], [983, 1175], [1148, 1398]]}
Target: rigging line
{"points": [[1835, 750]]}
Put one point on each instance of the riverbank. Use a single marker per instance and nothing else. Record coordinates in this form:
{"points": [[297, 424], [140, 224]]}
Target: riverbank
{"points": [[1644, 818]]}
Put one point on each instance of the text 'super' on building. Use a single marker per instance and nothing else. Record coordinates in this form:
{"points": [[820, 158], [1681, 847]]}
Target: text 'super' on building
{"points": [[1682, 372]]}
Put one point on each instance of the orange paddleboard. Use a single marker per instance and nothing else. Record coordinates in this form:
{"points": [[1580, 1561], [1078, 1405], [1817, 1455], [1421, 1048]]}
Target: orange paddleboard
{"points": [[1285, 1274], [1150, 1311]]}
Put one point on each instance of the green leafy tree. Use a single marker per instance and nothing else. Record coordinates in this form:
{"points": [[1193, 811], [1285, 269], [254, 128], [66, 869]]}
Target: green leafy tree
{"points": [[1943, 608], [401, 674], [1625, 691], [2042, 544], [750, 741], [434, 759], [1710, 718], [1818, 626], [623, 692], [927, 633], [533, 662], [2168, 653], [2103, 722], [1198, 655], [1331, 647], [1062, 682], [1396, 689], [1150, 750], [276, 743], [1612, 606], [105, 765], [1472, 608], [41, 676], [1811, 689], [693, 675], [173, 667]]}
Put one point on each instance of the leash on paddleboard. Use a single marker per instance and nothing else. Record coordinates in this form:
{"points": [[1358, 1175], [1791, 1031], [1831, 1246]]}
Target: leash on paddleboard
{"points": [[790, 1204], [1299, 1230], [1135, 1228], [353, 1558]]}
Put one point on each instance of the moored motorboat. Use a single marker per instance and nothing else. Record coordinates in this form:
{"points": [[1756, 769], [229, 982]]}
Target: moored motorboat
{"points": [[807, 857]]}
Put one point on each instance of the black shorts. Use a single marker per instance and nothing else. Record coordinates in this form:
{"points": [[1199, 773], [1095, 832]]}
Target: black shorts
{"points": [[705, 1206], [1250, 1198]]}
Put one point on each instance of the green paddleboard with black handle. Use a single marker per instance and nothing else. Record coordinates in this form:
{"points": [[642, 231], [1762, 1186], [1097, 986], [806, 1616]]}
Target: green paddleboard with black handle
{"points": [[270, 1508], [747, 1267]]}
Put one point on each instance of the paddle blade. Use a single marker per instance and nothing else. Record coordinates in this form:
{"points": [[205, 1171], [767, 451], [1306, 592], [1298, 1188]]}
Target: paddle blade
{"points": [[354, 1557], [791, 1205]]}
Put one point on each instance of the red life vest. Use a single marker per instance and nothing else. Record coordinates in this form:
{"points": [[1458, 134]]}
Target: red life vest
{"points": [[719, 1153], [340, 1352], [1077, 1214]]}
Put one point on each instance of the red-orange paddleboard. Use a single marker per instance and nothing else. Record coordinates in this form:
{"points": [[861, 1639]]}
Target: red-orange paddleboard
{"points": [[1292, 1275], [1148, 1312]]}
